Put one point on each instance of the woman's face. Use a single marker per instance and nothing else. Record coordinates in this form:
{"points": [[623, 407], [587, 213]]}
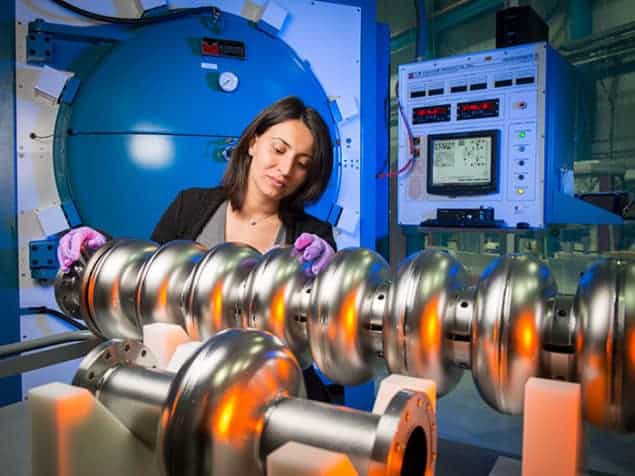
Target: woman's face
{"points": [[280, 159]]}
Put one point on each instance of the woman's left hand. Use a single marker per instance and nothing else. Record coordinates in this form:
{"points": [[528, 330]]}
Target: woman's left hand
{"points": [[311, 248]]}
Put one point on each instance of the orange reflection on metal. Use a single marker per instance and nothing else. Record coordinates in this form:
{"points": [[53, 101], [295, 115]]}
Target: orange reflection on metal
{"points": [[608, 347], [115, 300], [594, 394], [71, 412], [91, 295], [217, 306], [493, 348], [630, 347], [226, 411], [394, 462], [430, 329], [277, 313], [162, 296], [525, 335], [493, 351], [239, 412], [348, 317], [165, 417], [579, 343], [284, 368]]}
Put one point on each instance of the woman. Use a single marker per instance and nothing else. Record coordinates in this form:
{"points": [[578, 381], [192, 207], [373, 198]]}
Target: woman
{"points": [[282, 162]]}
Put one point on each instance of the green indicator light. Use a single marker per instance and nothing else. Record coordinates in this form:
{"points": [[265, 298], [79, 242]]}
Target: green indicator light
{"points": [[522, 134]]}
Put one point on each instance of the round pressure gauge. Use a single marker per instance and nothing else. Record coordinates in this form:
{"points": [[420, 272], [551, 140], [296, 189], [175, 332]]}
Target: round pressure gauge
{"points": [[228, 81]]}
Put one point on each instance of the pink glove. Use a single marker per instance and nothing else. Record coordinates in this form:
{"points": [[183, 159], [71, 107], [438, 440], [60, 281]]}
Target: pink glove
{"points": [[70, 246], [310, 247]]}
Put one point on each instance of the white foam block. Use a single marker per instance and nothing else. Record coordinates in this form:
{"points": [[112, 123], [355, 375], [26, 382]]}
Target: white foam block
{"points": [[394, 383], [274, 15], [252, 9], [348, 107], [51, 83], [163, 339], [73, 434], [296, 459], [348, 221], [145, 5], [552, 428], [182, 353], [52, 220]]}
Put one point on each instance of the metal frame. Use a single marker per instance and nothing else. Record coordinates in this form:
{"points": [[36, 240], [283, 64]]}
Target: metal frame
{"points": [[373, 83], [11, 367], [11, 387]]}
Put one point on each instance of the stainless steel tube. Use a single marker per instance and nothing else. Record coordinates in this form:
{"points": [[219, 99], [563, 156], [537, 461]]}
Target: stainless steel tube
{"points": [[236, 400], [400, 441], [321, 425], [136, 395], [430, 320]]}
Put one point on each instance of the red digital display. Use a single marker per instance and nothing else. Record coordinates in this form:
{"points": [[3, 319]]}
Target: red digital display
{"points": [[427, 114], [430, 111], [478, 106], [477, 109]]}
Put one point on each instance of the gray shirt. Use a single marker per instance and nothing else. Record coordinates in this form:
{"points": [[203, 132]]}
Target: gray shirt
{"points": [[214, 231]]}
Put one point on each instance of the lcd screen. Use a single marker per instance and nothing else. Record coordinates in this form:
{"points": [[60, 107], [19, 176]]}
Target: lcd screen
{"points": [[461, 164]]}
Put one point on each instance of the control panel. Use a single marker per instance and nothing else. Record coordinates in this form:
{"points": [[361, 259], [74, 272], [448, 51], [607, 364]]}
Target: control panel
{"points": [[476, 135]]}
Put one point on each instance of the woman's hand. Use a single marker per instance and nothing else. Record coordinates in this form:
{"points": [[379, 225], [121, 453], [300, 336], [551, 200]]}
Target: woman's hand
{"points": [[311, 248], [70, 246]]}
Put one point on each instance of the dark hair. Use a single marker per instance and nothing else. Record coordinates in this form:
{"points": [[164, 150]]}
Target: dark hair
{"points": [[319, 169]]}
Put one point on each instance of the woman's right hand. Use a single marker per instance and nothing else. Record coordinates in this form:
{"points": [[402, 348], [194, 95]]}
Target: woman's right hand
{"points": [[70, 246]]}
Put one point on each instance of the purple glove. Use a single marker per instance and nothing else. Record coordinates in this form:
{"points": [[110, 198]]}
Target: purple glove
{"points": [[309, 247], [70, 246]]}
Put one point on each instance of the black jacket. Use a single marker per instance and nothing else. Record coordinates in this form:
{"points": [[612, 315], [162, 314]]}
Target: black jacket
{"points": [[188, 214], [190, 211]]}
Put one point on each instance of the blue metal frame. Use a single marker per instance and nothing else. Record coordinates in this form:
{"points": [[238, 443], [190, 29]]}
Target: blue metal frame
{"points": [[371, 119], [383, 137], [59, 46], [10, 387], [43, 259], [561, 208], [369, 122]]}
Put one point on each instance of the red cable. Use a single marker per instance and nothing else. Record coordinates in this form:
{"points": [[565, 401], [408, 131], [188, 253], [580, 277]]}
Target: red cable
{"points": [[411, 145]]}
